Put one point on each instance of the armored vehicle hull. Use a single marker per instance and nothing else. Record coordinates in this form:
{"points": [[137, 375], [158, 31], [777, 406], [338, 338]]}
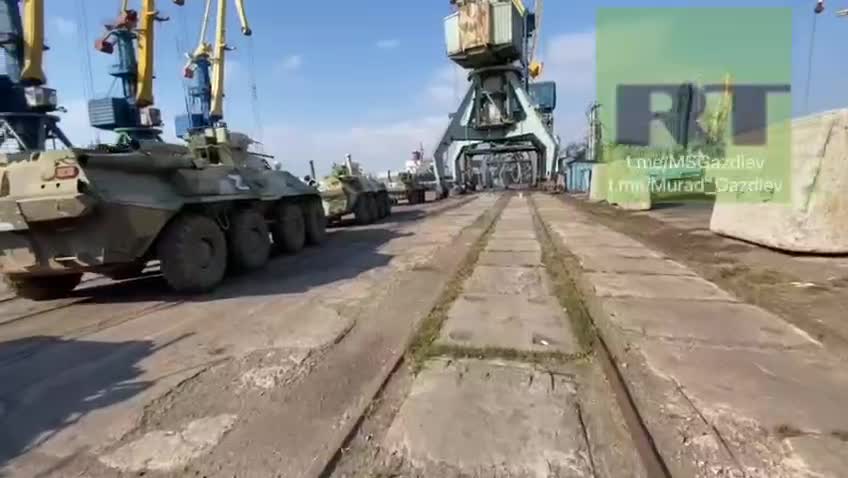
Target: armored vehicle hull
{"points": [[367, 199], [407, 188], [200, 211]]}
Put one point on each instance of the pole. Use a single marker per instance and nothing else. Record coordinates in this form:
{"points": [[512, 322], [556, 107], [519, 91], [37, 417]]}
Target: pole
{"points": [[312, 168]]}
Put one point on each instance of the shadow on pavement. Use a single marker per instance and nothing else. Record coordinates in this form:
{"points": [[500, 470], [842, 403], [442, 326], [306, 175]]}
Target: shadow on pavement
{"points": [[58, 387], [346, 254]]}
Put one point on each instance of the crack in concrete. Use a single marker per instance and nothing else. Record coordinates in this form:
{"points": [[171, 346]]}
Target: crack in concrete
{"points": [[585, 431], [712, 427]]}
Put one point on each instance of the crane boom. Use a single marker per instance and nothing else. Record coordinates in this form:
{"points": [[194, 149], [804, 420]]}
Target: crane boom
{"points": [[221, 48], [145, 48], [32, 72]]}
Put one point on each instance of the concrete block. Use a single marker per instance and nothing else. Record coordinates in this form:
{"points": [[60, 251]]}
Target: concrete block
{"points": [[525, 281], [508, 322], [656, 287], [720, 323], [510, 259], [598, 190], [477, 418], [814, 219]]}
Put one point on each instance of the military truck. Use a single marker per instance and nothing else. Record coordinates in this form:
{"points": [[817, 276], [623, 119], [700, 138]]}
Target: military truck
{"points": [[347, 191], [404, 186], [200, 210]]}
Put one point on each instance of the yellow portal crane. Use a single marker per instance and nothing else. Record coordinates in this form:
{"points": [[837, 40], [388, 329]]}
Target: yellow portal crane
{"points": [[205, 55]]}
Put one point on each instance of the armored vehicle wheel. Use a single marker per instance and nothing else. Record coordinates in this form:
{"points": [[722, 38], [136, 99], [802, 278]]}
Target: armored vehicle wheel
{"points": [[127, 271], [249, 241], [374, 207], [43, 288], [411, 198], [316, 223], [193, 253], [387, 202], [289, 230], [362, 211], [381, 206]]}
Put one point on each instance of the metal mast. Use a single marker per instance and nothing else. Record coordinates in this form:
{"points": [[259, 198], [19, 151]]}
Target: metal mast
{"points": [[25, 103]]}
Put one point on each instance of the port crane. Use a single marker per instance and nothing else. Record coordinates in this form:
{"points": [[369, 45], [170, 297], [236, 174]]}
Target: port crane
{"points": [[504, 117], [132, 35], [26, 104], [205, 71]]}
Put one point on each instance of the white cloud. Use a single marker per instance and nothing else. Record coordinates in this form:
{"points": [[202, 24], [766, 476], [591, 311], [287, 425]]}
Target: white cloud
{"points": [[291, 63], [446, 88], [569, 59], [64, 26], [388, 44], [378, 147]]}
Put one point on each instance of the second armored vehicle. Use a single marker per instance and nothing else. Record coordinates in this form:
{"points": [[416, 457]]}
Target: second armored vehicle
{"points": [[405, 187], [347, 191]]}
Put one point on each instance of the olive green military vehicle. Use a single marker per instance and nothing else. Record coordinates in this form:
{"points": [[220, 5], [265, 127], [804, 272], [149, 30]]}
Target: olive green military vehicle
{"points": [[405, 187], [348, 191], [200, 210]]}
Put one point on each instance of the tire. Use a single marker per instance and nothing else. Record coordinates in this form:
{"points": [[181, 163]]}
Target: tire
{"points": [[387, 204], [381, 206], [422, 195], [249, 241], [193, 253], [43, 288], [127, 271], [289, 229], [362, 211], [411, 198], [374, 207], [316, 223]]}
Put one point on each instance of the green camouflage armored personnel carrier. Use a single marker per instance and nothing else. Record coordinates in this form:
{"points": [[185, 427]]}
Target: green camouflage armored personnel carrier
{"points": [[405, 187], [200, 210], [348, 191]]}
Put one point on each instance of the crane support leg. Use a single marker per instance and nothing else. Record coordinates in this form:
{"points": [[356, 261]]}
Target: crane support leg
{"points": [[469, 126]]}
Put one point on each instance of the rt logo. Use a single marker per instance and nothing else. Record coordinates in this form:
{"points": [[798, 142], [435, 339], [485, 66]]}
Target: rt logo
{"points": [[749, 112]]}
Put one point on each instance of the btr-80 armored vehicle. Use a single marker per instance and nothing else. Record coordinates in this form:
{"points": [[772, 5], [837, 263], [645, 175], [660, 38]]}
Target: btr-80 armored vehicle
{"points": [[347, 191], [404, 186], [200, 210]]}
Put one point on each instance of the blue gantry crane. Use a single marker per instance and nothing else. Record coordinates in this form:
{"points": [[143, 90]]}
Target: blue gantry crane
{"points": [[505, 115], [25, 102], [205, 71]]}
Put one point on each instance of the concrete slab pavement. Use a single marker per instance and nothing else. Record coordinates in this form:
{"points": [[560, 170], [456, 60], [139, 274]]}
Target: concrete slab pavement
{"points": [[647, 265], [478, 418], [724, 388], [651, 286], [510, 259], [524, 281], [508, 322], [514, 245]]}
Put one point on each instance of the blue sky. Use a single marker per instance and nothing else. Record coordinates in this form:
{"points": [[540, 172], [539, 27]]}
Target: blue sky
{"points": [[371, 78]]}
